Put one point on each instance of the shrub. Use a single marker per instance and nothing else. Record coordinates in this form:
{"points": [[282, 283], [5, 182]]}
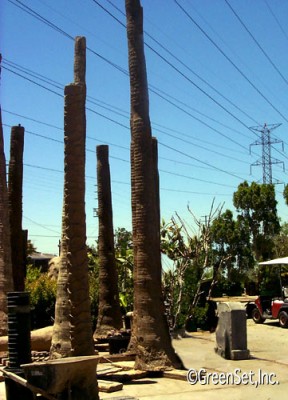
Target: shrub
{"points": [[42, 297]]}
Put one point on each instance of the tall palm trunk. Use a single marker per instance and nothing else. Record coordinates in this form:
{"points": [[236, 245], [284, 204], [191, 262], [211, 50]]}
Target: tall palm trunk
{"points": [[6, 279], [109, 315], [15, 189], [150, 334], [72, 334]]}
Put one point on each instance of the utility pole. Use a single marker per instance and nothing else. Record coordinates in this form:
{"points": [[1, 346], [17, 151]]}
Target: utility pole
{"points": [[266, 160]]}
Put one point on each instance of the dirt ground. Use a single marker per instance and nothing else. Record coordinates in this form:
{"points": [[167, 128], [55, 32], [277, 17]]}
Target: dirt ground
{"points": [[264, 374]]}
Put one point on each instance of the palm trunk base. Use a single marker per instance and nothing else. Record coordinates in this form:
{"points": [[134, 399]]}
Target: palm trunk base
{"points": [[156, 360]]}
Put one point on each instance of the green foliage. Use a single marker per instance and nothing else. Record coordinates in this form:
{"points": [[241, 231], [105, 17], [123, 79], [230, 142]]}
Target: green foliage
{"points": [[228, 287], [256, 204], [269, 281], [285, 194], [280, 242], [93, 276], [30, 248], [125, 264], [42, 297], [199, 319], [200, 316]]}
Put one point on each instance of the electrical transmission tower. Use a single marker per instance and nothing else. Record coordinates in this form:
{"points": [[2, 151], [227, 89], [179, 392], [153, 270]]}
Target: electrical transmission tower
{"points": [[265, 141]]}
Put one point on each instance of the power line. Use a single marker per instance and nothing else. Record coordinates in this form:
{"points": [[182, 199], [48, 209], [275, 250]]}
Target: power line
{"points": [[195, 179], [229, 59], [200, 161], [50, 24], [94, 110], [179, 60], [199, 120], [45, 79], [257, 43], [276, 19], [42, 226], [180, 72], [117, 158], [125, 126], [126, 148]]}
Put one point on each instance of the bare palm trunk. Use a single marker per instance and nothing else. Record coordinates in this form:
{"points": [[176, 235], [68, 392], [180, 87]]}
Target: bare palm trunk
{"points": [[150, 334], [72, 332], [109, 315], [15, 185], [6, 279]]}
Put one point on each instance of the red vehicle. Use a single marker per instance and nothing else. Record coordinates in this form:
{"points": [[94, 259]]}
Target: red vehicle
{"points": [[268, 307]]}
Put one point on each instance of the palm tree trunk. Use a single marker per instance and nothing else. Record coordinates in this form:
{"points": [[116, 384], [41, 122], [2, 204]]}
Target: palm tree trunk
{"points": [[6, 279], [150, 334], [15, 185], [109, 315], [72, 332]]}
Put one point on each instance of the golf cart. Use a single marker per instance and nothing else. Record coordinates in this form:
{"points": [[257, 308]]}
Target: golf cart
{"points": [[270, 307]]}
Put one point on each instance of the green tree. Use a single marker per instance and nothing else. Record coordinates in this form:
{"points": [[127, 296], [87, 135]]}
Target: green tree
{"points": [[125, 265], [257, 206], [180, 248], [281, 242], [285, 194], [42, 290], [192, 258], [231, 242]]}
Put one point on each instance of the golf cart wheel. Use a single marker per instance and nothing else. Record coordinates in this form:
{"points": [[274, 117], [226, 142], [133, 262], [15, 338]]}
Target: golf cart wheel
{"points": [[283, 319], [257, 317]]}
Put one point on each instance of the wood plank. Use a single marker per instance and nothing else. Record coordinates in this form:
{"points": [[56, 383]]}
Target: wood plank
{"points": [[180, 374], [109, 386], [176, 374], [116, 357], [126, 376], [107, 370], [239, 299], [101, 347]]}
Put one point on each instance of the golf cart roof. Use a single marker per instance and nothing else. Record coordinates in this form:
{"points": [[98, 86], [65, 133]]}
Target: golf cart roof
{"points": [[283, 260]]}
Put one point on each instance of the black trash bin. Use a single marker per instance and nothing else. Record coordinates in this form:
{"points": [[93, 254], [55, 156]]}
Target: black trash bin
{"points": [[19, 343], [118, 343]]}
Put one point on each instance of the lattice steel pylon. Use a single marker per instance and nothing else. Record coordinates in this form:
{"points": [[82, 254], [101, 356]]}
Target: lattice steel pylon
{"points": [[265, 141]]}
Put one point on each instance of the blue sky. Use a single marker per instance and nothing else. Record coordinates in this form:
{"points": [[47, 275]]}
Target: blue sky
{"points": [[209, 82]]}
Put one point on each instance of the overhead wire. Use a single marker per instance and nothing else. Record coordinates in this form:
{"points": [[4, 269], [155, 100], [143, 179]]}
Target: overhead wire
{"points": [[179, 71], [178, 60], [228, 58], [127, 128], [170, 172], [49, 23], [276, 19], [42, 19], [114, 121], [33, 13], [155, 91], [257, 42]]}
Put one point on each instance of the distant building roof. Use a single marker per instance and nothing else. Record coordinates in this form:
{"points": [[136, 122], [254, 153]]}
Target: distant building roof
{"points": [[41, 256]]}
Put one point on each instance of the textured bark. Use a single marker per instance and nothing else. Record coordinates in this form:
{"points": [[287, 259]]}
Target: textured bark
{"points": [[79, 59], [150, 335], [6, 279], [109, 315], [72, 331], [15, 189]]}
